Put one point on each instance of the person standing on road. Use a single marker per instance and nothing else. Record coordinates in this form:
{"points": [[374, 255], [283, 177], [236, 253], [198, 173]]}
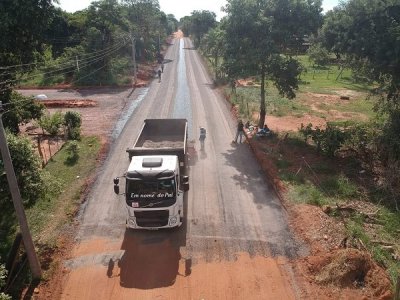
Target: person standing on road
{"points": [[239, 132], [202, 137], [159, 75]]}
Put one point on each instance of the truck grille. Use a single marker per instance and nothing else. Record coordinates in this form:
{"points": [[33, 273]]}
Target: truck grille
{"points": [[152, 218]]}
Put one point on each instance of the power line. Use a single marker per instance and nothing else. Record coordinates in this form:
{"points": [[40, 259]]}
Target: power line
{"points": [[124, 42], [86, 62]]}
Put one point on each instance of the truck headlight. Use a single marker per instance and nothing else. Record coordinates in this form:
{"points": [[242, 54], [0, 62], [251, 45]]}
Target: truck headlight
{"points": [[173, 221], [131, 222]]}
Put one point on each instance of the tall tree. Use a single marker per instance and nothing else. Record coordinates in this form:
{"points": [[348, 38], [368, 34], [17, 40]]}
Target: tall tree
{"points": [[22, 27], [213, 45], [260, 35], [200, 22], [147, 25]]}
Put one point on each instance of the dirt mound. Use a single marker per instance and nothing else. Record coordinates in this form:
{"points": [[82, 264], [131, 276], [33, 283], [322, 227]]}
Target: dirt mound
{"points": [[350, 268], [68, 103], [347, 267]]}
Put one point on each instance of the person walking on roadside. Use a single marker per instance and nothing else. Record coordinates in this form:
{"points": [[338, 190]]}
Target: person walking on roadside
{"points": [[162, 67], [202, 137], [159, 75], [239, 132]]}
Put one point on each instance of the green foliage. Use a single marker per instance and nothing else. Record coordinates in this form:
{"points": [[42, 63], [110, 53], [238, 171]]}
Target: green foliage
{"points": [[3, 276], [198, 24], [282, 164], [318, 55], [72, 149], [72, 121], [339, 187], [52, 123], [355, 229], [62, 188], [259, 39], [27, 168], [329, 78], [307, 193], [21, 110], [366, 33], [327, 140], [213, 47], [23, 25]]}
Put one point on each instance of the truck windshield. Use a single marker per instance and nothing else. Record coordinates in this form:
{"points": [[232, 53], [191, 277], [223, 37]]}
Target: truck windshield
{"points": [[158, 189]]}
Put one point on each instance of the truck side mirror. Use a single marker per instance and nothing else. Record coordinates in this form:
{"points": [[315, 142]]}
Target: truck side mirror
{"points": [[116, 189], [185, 186], [116, 180]]}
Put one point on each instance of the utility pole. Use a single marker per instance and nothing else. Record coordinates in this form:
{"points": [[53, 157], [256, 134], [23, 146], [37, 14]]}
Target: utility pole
{"points": [[134, 58], [17, 200], [77, 62]]}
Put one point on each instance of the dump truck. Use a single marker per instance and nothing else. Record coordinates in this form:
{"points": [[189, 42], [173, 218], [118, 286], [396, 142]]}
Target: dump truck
{"points": [[156, 180]]}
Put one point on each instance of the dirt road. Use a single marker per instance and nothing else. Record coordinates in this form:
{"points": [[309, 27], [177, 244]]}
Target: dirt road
{"points": [[235, 242]]}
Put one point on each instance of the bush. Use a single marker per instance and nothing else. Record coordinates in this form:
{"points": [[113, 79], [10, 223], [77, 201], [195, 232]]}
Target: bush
{"points": [[3, 276], [72, 121], [327, 140], [73, 152], [52, 123]]}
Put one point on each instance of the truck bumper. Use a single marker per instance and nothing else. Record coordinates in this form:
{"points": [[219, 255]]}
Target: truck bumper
{"points": [[153, 219]]}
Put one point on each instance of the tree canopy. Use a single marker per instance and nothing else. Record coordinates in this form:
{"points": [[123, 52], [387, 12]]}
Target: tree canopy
{"points": [[198, 24], [368, 33], [260, 37]]}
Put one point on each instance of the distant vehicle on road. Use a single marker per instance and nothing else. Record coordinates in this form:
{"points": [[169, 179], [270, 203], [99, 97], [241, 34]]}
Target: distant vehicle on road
{"points": [[41, 97]]}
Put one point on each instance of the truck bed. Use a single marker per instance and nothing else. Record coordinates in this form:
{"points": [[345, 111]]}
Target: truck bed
{"points": [[161, 137], [163, 143], [162, 133]]}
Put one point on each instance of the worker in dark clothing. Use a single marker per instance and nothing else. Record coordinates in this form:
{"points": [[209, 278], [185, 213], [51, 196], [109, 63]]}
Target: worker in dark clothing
{"points": [[159, 75], [239, 132], [202, 137]]}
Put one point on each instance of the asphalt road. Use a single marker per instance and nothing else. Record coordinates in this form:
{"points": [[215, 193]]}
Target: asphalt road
{"points": [[235, 242]]}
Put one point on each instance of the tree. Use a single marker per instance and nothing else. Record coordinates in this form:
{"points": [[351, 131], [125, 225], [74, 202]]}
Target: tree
{"points": [[318, 55], [260, 36], [213, 45], [52, 123], [20, 110], [103, 20], [27, 168], [147, 24], [72, 121], [22, 27], [201, 21], [172, 24]]}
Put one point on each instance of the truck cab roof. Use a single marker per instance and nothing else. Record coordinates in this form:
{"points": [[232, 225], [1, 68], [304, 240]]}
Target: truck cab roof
{"points": [[153, 164]]}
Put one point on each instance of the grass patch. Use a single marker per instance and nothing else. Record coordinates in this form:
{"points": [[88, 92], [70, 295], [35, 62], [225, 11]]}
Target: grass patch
{"points": [[339, 187], [49, 214], [328, 79], [282, 163], [307, 193], [355, 229], [248, 100]]}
